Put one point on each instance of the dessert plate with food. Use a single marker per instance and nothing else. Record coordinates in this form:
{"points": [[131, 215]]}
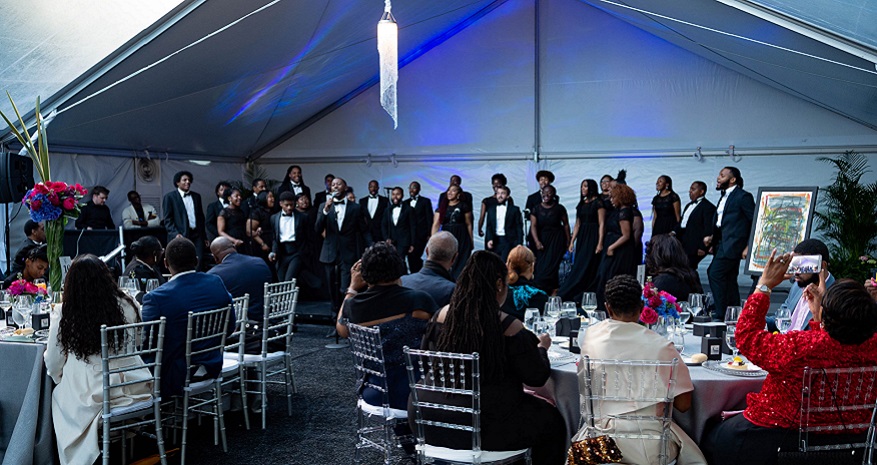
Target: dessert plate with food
{"points": [[735, 366]]}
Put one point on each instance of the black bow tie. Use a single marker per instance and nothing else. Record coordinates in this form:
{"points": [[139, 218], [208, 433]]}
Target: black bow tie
{"points": [[724, 191], [397, 205], [339, 202], [296, 185], [373, 196], [285, 215], [187, 194], [413, 199], [500, 204]]}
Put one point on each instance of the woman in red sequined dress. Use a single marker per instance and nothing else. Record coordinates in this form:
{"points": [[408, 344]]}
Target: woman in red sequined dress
{"points": [[844, 336]]}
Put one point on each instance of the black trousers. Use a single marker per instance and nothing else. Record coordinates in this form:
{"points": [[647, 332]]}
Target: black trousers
{"points": [[337, 280], [197, 239], [502, 246], [737, 440], [415, 258], [722, 274]]}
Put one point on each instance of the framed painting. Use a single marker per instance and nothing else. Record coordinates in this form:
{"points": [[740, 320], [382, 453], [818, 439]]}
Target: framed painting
{"points": [[783, 216]]}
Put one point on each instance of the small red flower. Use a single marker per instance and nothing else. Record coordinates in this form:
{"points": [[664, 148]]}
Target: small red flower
{"points": [[36, 205], [648, 316], [69, 203]]}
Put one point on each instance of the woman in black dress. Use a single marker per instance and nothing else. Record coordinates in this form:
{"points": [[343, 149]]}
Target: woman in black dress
{"points": [[549, 228], [261, 230], [667, 265], [232, 222], [666, 207], [587, 239], [456, 218], [510, 357], [147, 255], [605, 188], [620, 255]]}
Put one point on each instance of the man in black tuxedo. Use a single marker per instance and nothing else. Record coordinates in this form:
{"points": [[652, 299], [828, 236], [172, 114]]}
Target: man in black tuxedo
{"points": [[465, 196], [214, 209], [182, 214], [697, 223], [505, 225], [320, 197], [252, 202], [290, 238], [399, 226], [294, 182], [373, 207], [496, 181], [346, 236], [730, 239], [423, 216], [544, 178]]}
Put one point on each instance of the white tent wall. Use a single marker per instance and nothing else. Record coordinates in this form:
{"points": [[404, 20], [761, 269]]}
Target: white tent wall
{"points": [[117, 174], [606, 87]]}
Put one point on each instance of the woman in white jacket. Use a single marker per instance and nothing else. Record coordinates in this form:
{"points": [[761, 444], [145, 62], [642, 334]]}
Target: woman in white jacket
{"points": [[73, 358]]}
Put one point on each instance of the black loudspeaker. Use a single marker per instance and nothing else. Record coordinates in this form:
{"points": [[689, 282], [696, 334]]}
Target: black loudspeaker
{"points": [[16, 176]]}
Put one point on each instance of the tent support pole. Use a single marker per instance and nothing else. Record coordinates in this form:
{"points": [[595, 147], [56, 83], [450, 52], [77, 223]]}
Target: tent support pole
{"points": [[537, 85]]}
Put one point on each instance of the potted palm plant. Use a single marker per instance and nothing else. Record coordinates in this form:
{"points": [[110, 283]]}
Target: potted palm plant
{"points": [[847, 217]]}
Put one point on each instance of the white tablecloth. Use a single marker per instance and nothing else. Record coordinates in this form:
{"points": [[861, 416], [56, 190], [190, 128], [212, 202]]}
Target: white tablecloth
{"points": [[713, 393]]}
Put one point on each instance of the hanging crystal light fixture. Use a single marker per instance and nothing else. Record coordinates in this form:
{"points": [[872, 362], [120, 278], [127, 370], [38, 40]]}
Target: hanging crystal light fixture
{"points": [[388, 51]]}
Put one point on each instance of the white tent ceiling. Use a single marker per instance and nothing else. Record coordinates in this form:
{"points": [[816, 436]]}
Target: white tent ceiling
{"points": [[235, 80]]}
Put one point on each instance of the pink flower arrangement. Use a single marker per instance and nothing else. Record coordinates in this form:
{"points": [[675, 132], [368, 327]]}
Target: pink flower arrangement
{"points": [[49, 200], [22, 287], [657, 304]]}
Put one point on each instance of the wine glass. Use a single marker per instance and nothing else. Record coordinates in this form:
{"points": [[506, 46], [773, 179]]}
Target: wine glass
{"points": [[589, 302], [151, 285], [5, 301], [695, 303], [21, 312], [783, 318], [552, 306], [531, 315], [597, 317], [732, 314], [684, 313], [568, 310], [678, 340]]}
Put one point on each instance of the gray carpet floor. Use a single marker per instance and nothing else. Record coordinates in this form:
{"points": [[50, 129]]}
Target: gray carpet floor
{"points": [[323, 425]]}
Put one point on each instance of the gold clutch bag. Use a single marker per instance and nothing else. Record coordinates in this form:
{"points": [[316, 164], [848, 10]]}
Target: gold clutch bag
{"points": [[593, 451]]}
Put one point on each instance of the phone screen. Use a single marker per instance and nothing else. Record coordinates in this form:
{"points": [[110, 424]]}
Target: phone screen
{"points": [[803, 264]]}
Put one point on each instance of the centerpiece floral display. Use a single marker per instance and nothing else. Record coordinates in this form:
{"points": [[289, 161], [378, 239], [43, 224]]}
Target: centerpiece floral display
{"points": [[659, 307], [50, 202], [21, 287]]}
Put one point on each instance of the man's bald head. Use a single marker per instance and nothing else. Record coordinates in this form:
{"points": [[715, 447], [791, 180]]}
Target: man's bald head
{"points": [[221, 247], [442, 248]]}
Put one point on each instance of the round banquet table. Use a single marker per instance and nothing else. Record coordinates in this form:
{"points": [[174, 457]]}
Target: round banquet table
{"points": [[714, 393]]}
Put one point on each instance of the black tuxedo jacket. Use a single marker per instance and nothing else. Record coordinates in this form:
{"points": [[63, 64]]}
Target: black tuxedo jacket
{"points": [[175, 218], [213, 211], [301, 233], [423, 215], [319, 198], [736, 225], [374, 224], [700, 224], [287, 186], [514, 225], [344, 245], [404, 232]]}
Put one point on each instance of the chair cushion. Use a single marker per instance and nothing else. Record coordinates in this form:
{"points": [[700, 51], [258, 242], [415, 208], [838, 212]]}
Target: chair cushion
{"points": [[230, 365], [117, 411], [201, 386], [467, 456], [379, 411], [255, 358]]}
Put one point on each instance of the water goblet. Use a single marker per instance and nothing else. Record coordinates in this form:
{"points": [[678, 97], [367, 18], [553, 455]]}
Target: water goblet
{"points": [[732, 314], [589, 302], [151, 285], [695, 303]]}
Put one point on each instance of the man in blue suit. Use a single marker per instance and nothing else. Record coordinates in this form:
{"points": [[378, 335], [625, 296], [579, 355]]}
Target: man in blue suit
{"points": [[187, 291], [730, 239], [241, 274]]}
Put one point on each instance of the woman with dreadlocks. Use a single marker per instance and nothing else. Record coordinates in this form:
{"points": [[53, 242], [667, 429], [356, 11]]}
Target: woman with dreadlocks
{"points": [[510, 355], [73, 358]]}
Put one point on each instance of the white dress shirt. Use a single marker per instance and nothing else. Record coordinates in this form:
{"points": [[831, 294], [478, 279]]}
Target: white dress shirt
{"points": [[372, 206], [287, 228], [414, 201], [190, 207], [720, 208], [296, 188], [500, 219], [397, 210], [340, 209], [690, 208]]}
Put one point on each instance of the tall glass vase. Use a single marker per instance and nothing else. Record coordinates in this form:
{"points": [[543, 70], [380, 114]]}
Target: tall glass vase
{"points": [[54, 249]]}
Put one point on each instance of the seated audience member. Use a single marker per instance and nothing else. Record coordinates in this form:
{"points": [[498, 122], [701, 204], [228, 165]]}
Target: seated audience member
{"points": [[96, 214], [435, 277], [288, 247], [621, 337], [35, 237], [510, 357], [241, 274], [523, 293], [186, 291], [139, 214], [147, 253], [848, 321], [400, 313], [34, 266], [796, 301], [667, 265], [73, 358]]}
